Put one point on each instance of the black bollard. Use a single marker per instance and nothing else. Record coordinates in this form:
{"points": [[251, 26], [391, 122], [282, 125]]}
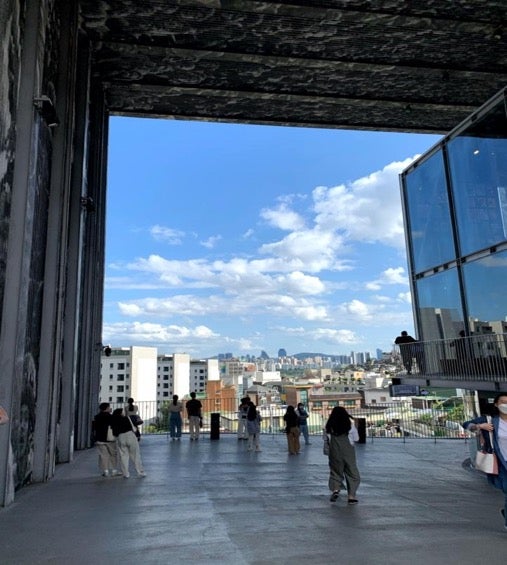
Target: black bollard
{"points": [[215, 425], [361, 429]]}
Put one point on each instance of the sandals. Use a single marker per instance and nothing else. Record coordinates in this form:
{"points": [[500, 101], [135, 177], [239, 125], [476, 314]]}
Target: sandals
{"points": [[352, 501]]}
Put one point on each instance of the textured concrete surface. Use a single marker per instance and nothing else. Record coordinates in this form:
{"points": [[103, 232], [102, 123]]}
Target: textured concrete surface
{"points": [[214, 502], [420, 66]]}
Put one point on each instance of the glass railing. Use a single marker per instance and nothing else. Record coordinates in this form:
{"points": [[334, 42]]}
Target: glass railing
{"points": [[478, 357], [388, 420]]}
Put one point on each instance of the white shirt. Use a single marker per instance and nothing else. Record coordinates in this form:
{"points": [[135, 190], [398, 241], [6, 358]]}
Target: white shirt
{"points": [[502, 437], [353, 435]]}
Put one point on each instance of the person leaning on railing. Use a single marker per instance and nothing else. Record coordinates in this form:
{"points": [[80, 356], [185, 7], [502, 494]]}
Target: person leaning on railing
{"points": [[405, 343], [175, 420]]}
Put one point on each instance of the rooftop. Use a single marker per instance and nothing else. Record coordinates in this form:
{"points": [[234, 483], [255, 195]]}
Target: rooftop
{"points": [[214, 502]]}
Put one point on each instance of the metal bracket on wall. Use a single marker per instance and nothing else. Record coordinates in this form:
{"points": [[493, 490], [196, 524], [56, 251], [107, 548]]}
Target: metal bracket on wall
{"points": [[46, 109], [87, 203]]}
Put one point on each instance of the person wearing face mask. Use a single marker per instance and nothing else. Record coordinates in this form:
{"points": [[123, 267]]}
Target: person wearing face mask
{"points": [[497, 425]]}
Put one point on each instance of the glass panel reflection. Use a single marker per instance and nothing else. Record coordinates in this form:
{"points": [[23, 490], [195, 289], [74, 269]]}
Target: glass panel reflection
{"points": [[428, 213], [440, 313], [478, 169], [485, 293]]}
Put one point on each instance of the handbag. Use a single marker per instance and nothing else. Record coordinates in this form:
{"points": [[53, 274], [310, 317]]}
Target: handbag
{"points": [[136, 420], [110, 435], [135, 429], [484, 461]]}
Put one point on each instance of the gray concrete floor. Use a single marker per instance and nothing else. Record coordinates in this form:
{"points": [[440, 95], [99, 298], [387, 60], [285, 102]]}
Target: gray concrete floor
{"points": [[214, 502]]}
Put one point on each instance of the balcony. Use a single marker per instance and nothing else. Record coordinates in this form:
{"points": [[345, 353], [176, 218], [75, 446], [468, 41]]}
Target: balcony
{"points": [[475, 362]]}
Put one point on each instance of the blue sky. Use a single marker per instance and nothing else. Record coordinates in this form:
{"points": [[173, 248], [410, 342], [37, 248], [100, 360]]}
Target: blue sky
{"points": [[235, 238]]}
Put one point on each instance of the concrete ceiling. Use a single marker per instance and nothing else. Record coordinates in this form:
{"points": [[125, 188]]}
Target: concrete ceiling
{"points": [[413, 65]]}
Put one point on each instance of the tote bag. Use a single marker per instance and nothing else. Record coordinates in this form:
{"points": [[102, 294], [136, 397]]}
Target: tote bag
{"points": [[484, 461]]}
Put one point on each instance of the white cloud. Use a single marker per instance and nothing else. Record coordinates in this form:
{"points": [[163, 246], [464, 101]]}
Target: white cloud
{"points": [[367, 210], [313, 250], [146, 332], [335, 336], [293, 278], [211, 241], [389, 277], [130, 309], [283, 218], [168, 235], [405, 297], [358, 309], [245, 304], [174, 338]]}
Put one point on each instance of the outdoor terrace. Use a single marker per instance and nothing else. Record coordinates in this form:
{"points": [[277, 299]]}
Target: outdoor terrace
{"points": [[214, 502]]}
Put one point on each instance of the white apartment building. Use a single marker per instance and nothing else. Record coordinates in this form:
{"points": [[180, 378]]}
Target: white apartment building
{"points": [[263, 377], [140, 373], [178, 374], [128, 372]]}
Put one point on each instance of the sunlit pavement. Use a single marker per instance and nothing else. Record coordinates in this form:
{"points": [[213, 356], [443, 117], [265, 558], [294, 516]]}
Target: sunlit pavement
{"points": [[215, 502]]}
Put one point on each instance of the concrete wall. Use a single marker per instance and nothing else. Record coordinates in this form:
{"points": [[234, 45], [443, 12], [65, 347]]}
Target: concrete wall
{"points": [[49, 356]]}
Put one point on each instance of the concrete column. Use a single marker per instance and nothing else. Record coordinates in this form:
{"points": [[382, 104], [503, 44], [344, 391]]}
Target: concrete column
{"points": [[14, 314], [53, 412], [88, 377], [75, 247]]}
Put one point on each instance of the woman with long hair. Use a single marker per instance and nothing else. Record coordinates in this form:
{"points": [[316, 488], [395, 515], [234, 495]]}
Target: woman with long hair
{"points": [[253, 426], [341, 433], [132, 412], [175, 421], [131, 409]]}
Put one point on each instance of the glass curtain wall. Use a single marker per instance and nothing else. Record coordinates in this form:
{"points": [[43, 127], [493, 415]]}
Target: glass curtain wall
{"points": [[455, 212]]}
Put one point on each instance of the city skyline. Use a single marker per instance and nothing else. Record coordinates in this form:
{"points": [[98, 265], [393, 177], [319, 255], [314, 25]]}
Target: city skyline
{"points": [[235, 238]]}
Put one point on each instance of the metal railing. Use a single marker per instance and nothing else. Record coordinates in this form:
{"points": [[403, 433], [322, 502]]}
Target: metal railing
{"points": [[479, 357], [388, 420]]}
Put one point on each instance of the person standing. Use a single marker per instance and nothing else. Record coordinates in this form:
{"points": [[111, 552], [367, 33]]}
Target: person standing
{"points": [[131, 409], [498, 426], [242, 418], [194, 413], [303, 422], [105, 441], [292, 430], [253, 425], [405, 342], [342, 454], [175, 410], [132, 412], [464, 352], [128, 446]]}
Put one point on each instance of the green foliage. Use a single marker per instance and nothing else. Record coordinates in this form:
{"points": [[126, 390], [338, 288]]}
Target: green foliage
{"points": [[456, 414]]}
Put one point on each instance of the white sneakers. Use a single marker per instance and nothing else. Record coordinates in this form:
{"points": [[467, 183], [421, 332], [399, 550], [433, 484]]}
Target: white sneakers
{"points": [[113, 473]]}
